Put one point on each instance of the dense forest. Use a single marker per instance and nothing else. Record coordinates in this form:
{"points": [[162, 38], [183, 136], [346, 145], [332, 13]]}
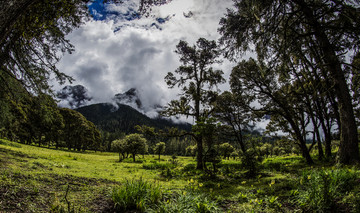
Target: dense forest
{"points": [[303, 78]]}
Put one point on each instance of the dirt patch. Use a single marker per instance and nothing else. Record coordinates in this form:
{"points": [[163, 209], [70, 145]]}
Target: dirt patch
{"points": [[102, 204]]}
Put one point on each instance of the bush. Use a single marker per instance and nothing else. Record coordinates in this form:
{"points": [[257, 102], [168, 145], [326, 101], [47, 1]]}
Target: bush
{"points": [[187, 202], [136, 195], [250, 162], [160, 166], [320, 189]]}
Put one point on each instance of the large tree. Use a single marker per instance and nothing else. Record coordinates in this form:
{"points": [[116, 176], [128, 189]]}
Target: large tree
{"points": [[292, 35], [274, 97], [196, 79], [231, 109]]}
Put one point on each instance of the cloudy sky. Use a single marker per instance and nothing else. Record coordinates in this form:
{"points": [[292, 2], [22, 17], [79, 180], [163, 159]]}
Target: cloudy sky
{"points": [[117, 50]]}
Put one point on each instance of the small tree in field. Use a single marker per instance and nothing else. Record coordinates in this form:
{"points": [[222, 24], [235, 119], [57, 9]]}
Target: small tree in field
{"points": [[135, 144], [120, 146], [160, 148]]}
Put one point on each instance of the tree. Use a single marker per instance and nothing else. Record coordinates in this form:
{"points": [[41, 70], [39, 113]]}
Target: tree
{"points": [[150, 134], [79, 133], [274, 98], [303, 35], [191, 150], [160, 148], [231, 108], [135, 144], [196, 79], [120, 146], [226, 149], [32, 36]]}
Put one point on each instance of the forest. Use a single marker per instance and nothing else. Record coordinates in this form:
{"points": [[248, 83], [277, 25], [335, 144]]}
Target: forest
{"points": [[303, 78]]}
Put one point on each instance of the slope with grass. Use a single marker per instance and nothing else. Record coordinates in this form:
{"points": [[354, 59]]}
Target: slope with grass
{"points": [[34, 179]]}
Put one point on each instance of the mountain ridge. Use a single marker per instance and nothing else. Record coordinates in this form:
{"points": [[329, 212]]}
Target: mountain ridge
{"points": [[120, 117]]}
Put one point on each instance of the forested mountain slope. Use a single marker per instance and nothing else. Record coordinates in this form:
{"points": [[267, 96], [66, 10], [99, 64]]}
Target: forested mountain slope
{"points": [[124, 118]]}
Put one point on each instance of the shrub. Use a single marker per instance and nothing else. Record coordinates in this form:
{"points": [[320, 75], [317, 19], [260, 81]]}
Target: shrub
{"points": [[136, 195], [187, 202], [321, 188], [160, 166], [251, 163]]}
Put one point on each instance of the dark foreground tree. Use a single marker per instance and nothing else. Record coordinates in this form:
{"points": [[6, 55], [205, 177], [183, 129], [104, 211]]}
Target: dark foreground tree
{"points": [[33, 37], [196, 79], [307, 35]]}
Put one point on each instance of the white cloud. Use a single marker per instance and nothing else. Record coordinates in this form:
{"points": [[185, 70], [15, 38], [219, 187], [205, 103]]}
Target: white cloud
{"points": [[115, 55]]}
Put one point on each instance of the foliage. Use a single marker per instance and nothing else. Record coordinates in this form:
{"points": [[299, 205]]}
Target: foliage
{"points": [[135, 144], [79, 133], [136, 195], [226, 150], [191, 150], [187, 202], [231, 109], [319, 189], [32, 38], [120, 146], [250, 162]]}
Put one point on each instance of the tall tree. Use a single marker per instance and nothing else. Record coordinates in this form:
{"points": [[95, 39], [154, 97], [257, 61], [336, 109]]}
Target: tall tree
{"points": [[315, 34], [231, 108], [196, 79], [274, 98]]}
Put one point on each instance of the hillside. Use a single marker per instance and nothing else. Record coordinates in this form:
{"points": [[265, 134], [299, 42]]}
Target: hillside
{"points": [[124, 118]]}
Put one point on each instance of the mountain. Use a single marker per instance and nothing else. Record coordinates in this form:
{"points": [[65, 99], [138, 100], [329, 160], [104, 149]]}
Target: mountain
{"points": [[73, 96], [130, 97], [123, 118]]}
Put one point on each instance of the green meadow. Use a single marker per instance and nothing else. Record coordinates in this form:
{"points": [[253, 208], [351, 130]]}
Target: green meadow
{"points": [[34, 179]]}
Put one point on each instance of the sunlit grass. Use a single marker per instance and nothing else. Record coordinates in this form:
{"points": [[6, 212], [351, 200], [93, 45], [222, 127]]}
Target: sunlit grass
{"points": [[88, 164], [46, 174]]}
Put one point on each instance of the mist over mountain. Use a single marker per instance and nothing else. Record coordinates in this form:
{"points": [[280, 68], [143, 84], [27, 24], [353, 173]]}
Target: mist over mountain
{"points": [[130, 97], [73, 96], [120, 114]]}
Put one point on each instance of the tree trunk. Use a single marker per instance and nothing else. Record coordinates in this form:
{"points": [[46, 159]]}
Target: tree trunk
{"points": [[199, 157], [302, 143]]}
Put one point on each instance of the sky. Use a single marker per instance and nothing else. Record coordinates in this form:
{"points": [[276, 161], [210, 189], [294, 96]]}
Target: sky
{"points": [[118, 49]]}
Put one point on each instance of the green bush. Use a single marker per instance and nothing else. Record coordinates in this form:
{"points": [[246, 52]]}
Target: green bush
{"points": [[160, 166], [136, 195], [320, 189], [187, 202], [251, 163]]}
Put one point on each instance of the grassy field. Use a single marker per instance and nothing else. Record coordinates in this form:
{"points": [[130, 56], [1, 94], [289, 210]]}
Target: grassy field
{"points": [[34, 179]]}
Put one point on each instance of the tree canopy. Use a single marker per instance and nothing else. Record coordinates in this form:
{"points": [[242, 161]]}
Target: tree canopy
{"points": [[302, 40]]}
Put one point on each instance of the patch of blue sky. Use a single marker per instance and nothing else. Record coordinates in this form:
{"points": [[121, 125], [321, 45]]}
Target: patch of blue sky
{"points": [[100, 12]]}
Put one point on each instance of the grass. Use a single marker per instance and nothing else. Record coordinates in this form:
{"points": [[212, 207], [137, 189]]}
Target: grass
{"points": [[34, 179]]}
